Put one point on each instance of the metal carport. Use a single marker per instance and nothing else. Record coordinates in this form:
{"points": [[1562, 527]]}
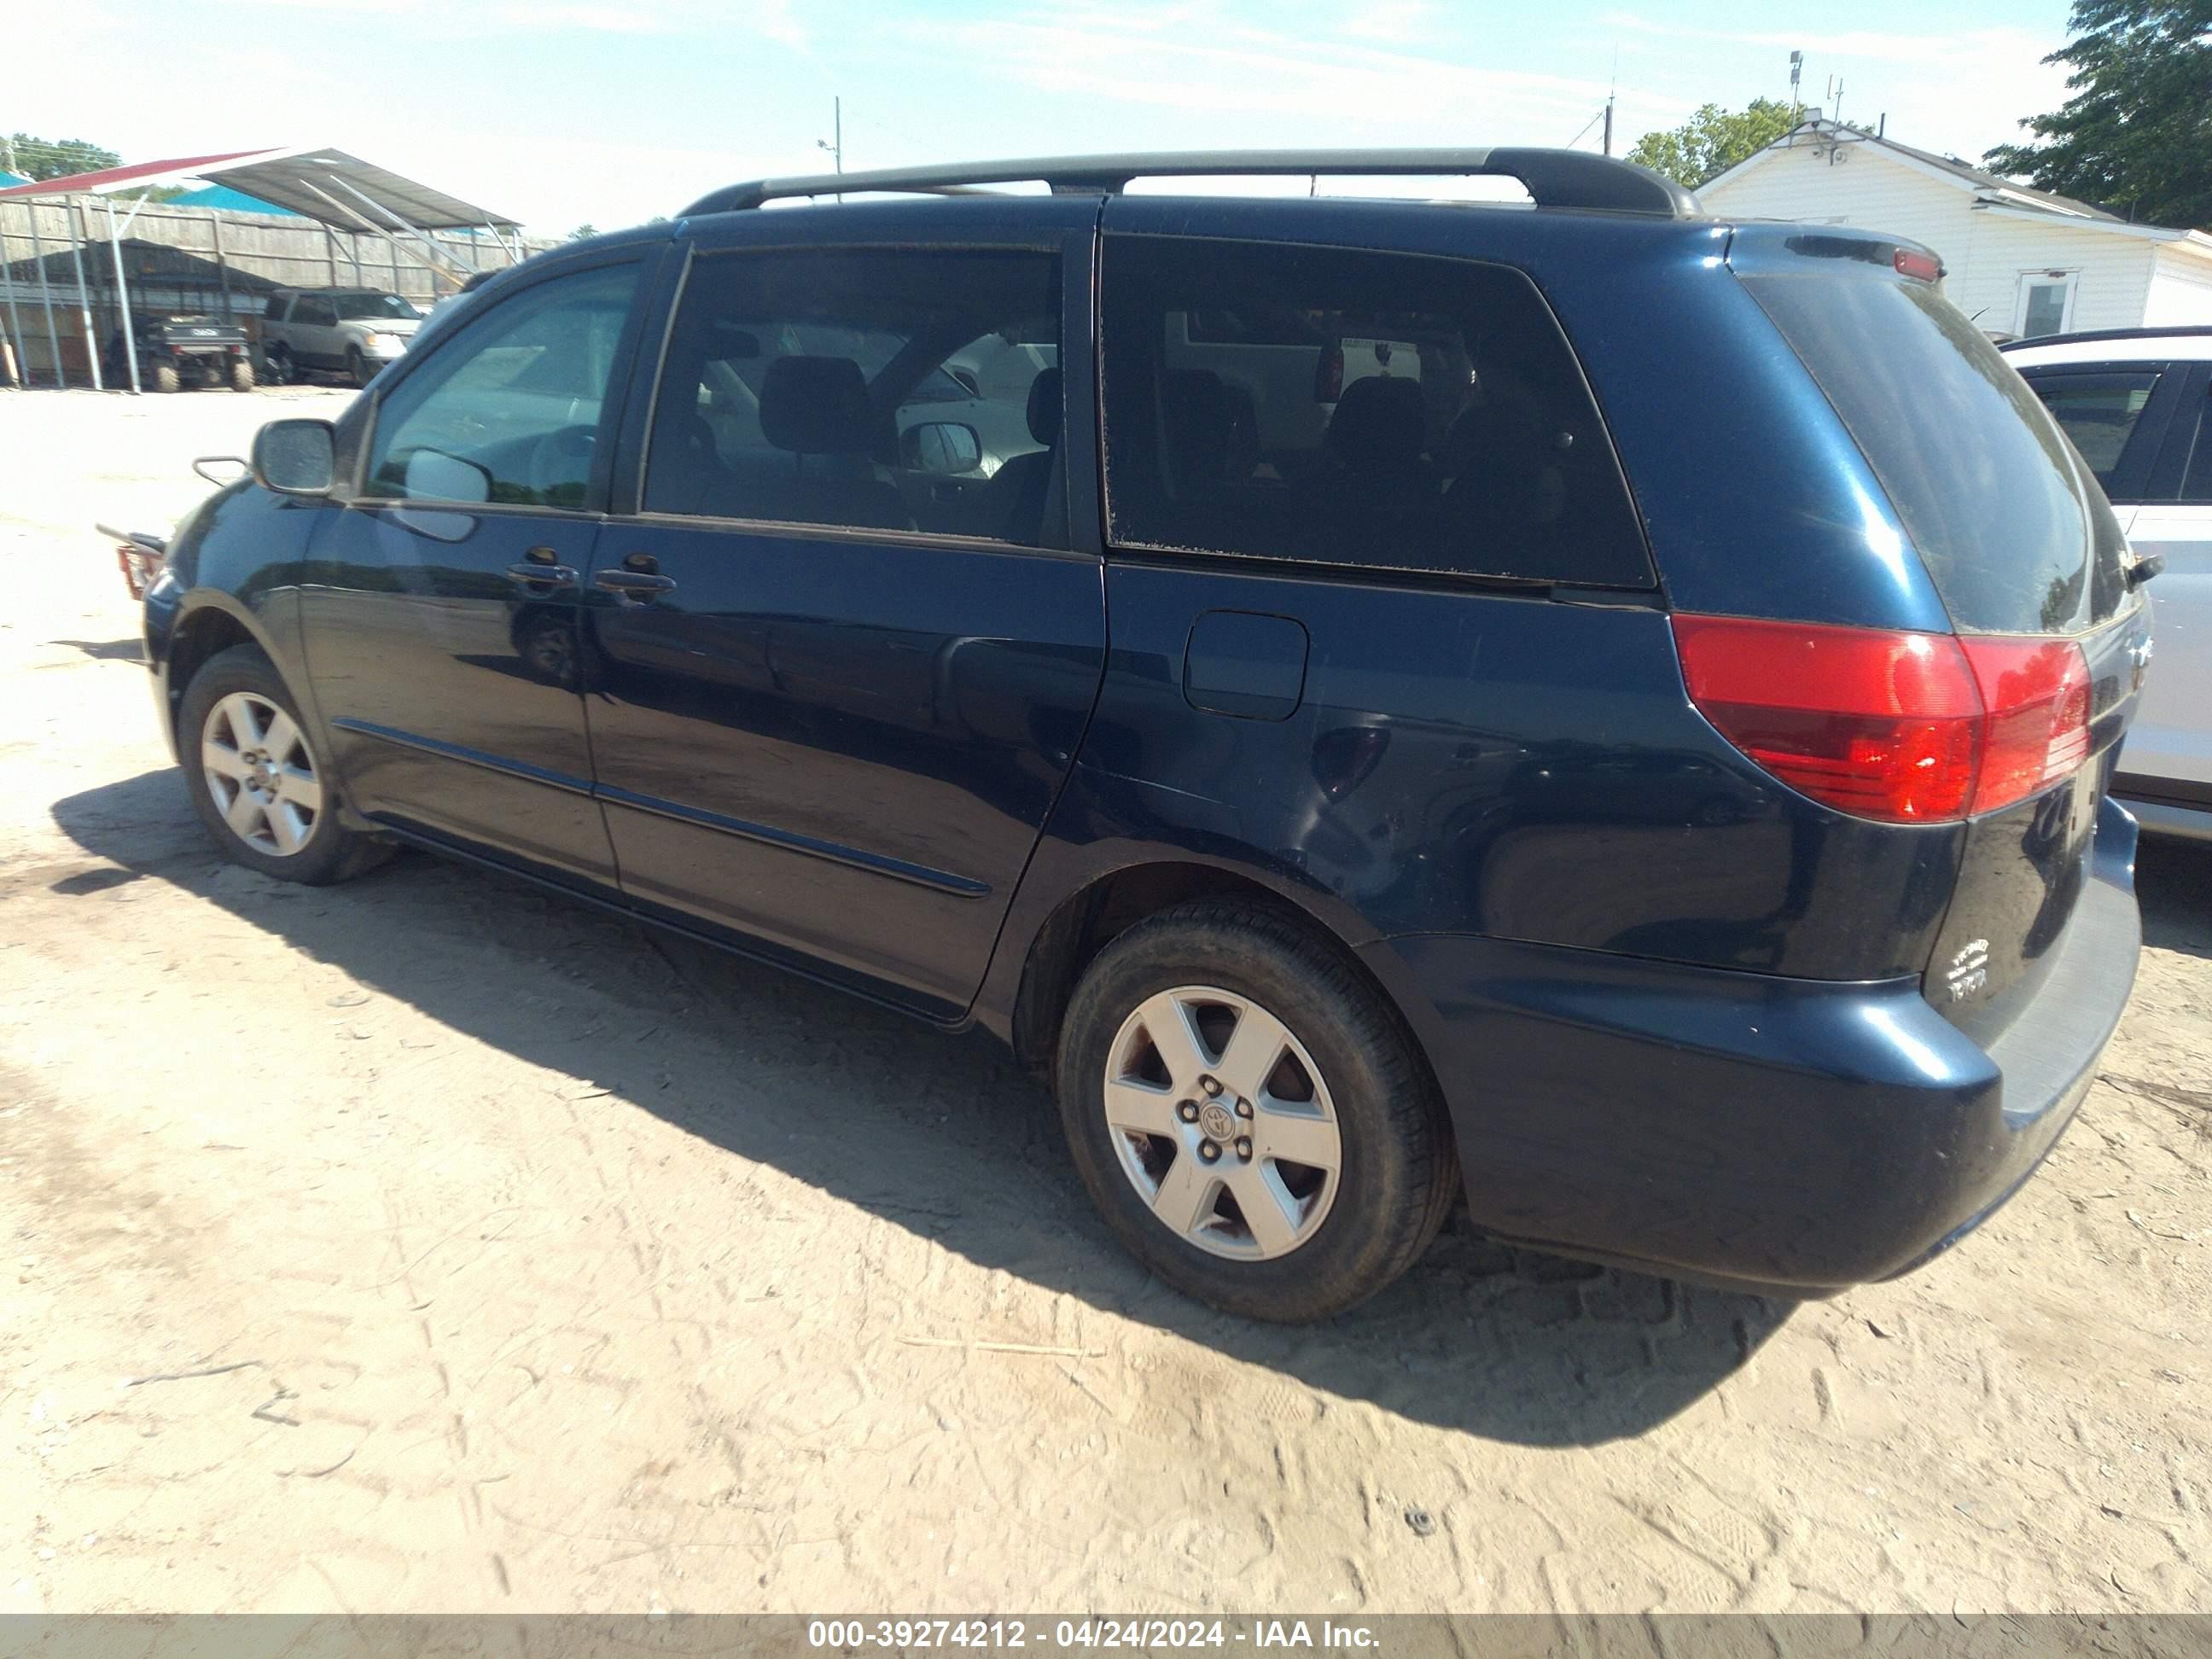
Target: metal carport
{"points": [[335, 188]]}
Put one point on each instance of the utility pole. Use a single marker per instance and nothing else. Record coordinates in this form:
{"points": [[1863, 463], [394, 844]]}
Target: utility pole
{"points": [[1611, 92]]}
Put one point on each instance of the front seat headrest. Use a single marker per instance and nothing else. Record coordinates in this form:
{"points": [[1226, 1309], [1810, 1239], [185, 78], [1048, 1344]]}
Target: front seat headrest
{"points": [[1044, 407], [1211, 429], [1378, 424], [816, 406]]}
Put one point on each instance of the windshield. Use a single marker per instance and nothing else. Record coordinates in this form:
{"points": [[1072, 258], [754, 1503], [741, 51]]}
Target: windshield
{"points": [[354, 306]]}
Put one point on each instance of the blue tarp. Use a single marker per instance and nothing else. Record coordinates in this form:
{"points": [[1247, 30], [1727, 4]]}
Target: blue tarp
{"points": [[226, 200]]}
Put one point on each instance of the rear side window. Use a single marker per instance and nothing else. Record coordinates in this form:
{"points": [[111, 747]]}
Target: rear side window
{"points": [[275, 311], [2013, 535], [1387, 410], [2099, 412]]}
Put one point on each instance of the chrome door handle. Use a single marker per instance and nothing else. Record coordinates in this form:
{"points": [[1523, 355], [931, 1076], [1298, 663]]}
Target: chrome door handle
{"points": [[634, 587]]}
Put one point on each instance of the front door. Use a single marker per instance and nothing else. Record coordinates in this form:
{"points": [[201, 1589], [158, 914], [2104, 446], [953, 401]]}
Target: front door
{"points": [[441, 610], [844, 657]]}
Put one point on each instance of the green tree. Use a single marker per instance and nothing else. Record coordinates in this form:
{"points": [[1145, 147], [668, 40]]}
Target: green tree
{"points": [[2137, 135], [1714, 140], [584, 232], [54, 158]]}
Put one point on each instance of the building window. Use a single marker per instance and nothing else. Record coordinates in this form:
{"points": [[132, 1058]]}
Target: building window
{"points": [[2046, 303]]}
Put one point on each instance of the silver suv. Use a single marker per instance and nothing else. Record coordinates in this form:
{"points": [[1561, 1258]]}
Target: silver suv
{"points": [[352, 331]]}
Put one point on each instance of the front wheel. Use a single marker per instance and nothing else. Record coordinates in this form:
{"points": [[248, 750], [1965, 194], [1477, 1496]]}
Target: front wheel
{"points": [[1248, 1113], [357, 367], [256, 781]]}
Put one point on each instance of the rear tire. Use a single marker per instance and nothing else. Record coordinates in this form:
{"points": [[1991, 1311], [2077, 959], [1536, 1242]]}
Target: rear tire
{"points": [[241, 374], [1334, 1053], [278, 366], [265, 795], [165, 378]]}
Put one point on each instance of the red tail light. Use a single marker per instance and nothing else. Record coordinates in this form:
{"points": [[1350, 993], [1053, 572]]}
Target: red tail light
{"points": [[2037, 692], [1904, 727]]}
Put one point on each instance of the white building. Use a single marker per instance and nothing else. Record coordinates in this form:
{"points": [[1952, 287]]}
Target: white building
{"points": [[2018, 261]]}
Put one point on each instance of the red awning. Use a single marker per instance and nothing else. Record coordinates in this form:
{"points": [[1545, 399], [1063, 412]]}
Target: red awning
{"points": [[145, 172]]}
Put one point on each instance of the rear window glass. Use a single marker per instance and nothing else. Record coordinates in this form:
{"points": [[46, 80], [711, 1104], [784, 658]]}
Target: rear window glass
{"points": [[1335, 406], [2015, 538]]}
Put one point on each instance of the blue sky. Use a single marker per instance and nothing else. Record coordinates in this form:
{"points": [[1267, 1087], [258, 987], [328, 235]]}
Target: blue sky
{"points": [[559, 112]]}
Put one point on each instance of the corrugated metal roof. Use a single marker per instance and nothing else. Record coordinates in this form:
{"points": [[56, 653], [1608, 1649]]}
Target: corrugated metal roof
{"points": [[327, 186]]}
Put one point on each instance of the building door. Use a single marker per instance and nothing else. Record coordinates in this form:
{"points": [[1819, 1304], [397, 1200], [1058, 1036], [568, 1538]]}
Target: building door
{"points": [[2046, 303]]}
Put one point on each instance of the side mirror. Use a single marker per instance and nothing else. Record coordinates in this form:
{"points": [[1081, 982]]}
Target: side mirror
{"points": [[434, 476], [296, 458], [940, 447]]}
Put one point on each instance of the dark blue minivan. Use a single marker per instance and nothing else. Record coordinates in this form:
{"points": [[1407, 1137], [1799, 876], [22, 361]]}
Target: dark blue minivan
{"points": [[1584, 705]]}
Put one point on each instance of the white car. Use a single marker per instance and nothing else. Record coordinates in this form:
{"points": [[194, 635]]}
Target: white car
{"points": [[2133, 401]]}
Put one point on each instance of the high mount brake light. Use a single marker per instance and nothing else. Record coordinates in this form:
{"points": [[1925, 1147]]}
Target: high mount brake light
{"points": [[1903, 728], [1912, 261]]}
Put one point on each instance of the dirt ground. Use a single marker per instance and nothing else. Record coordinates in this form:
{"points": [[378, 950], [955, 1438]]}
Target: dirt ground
{"points": [[429, 1243]]}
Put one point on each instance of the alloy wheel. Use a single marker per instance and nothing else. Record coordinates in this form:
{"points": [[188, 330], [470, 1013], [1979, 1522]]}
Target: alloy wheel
{"points": [[1223, 1123], [260, 774]]}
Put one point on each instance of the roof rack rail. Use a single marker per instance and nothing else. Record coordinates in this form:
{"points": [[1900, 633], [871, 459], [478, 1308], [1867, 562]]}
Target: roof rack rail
{"points": [[1554, 178]]}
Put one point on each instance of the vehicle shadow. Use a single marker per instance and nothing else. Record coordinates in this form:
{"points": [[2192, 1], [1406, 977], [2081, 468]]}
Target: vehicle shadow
{"points": [[132, 649], [944, 1137], [2173, 879]]}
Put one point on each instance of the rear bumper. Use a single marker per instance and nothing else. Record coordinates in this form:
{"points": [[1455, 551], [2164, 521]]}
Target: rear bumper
{"points": [[1794, 1135]]}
